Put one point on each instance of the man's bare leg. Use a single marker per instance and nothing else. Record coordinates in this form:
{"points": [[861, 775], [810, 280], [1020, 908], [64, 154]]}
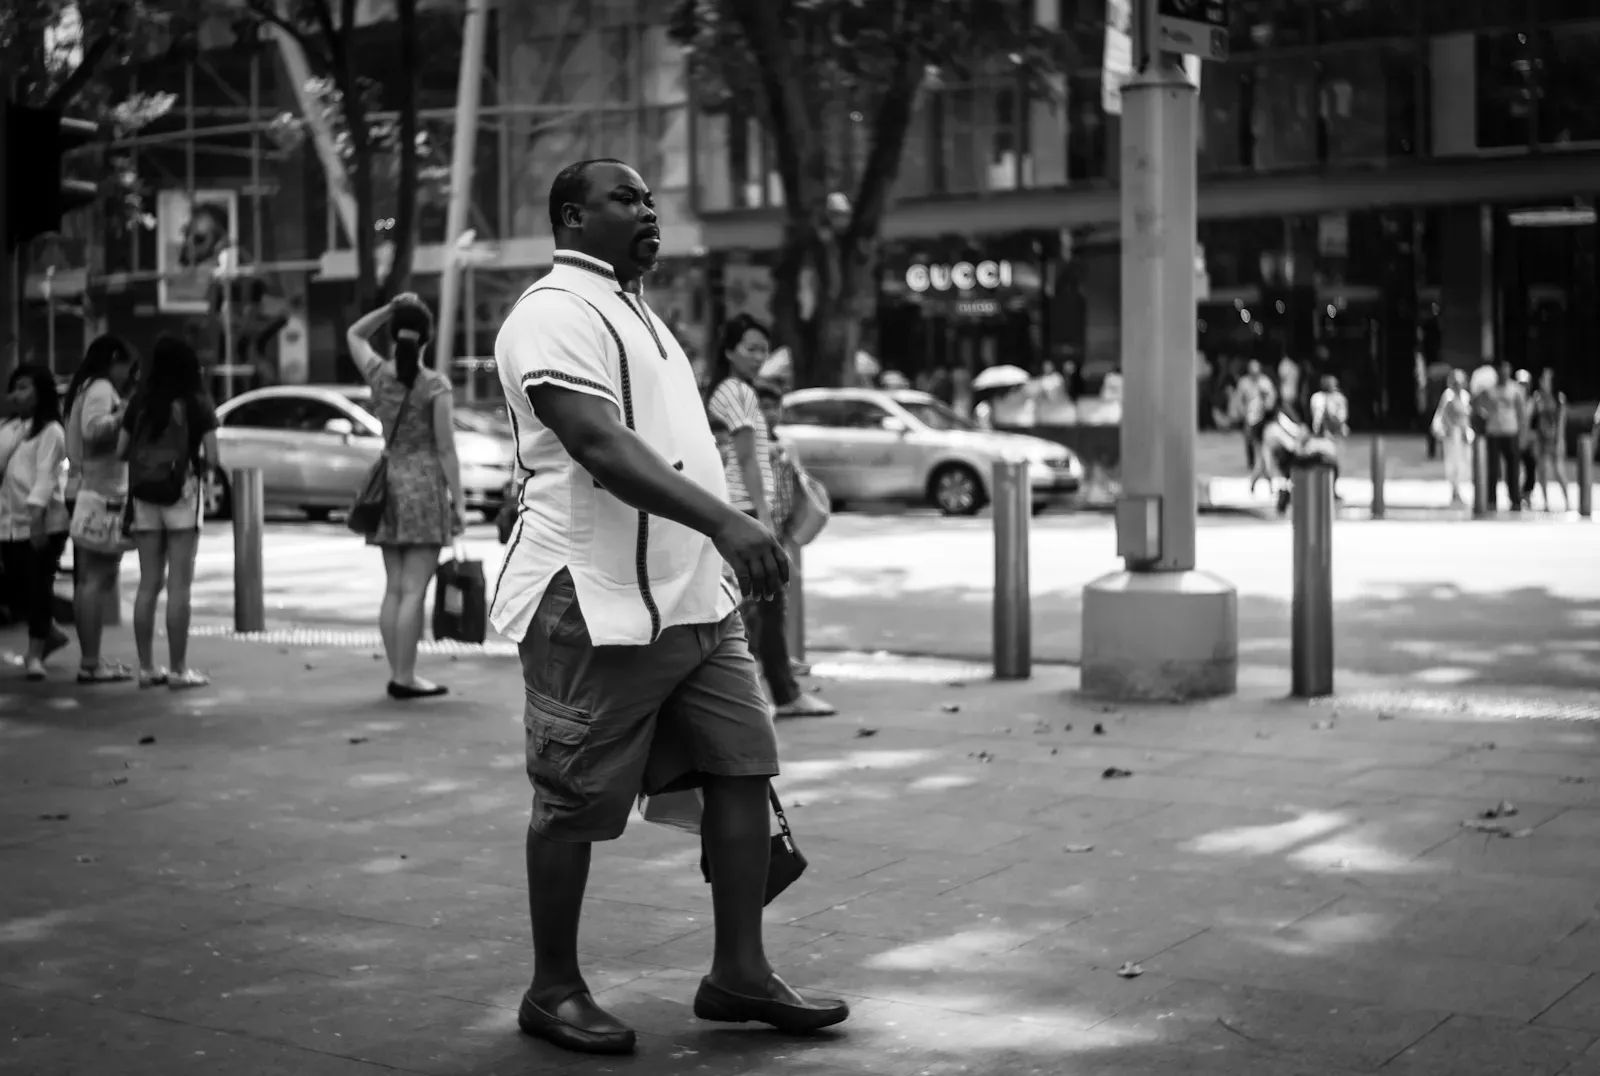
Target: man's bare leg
{"points": [[558, 1006], [742, 986]]}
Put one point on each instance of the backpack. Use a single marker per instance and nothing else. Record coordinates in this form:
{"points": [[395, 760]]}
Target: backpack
{"points": [[158, 463]]}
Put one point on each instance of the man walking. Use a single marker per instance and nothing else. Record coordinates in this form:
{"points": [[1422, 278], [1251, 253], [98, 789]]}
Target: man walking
{"points": [[637, 673], [1504, 407]]}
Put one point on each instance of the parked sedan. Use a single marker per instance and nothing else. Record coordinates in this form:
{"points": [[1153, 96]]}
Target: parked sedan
{"points": [[880, 445], [315, 443]]}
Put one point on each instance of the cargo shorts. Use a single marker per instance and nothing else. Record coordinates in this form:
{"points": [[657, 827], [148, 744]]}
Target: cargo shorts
{"points": [[604, 724]]}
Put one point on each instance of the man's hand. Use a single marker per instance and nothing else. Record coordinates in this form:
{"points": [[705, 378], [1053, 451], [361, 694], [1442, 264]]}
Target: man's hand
{"points": [[757, 556]]}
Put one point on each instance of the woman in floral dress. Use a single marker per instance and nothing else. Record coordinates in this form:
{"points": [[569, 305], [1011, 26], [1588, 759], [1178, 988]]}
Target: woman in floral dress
{"points": [[426, 507]]}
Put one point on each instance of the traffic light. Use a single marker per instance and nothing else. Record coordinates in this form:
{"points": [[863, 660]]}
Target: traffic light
{"points": [[37, 193]]}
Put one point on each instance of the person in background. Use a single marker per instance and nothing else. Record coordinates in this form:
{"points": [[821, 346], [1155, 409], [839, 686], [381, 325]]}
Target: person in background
{"points": [[1330, 419], [784, 477], [745, 443], [169, 429], [1289, 385], [97, 482], [1503, 408], [1052, 386], [1254, 400], [426, 507], [1527, 444], [1452, 429], [960, 399], [1547, 413], [33, 516]]}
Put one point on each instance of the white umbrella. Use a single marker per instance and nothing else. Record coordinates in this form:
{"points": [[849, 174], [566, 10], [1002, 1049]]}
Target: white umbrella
{"points": [[1000, 377]]}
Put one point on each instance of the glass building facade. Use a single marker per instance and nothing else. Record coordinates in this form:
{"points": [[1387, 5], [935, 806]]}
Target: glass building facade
{"points": [[1388, 188]]}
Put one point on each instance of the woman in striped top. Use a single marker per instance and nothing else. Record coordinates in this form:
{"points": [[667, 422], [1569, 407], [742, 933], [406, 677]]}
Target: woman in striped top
{"points": [[745, 441]]}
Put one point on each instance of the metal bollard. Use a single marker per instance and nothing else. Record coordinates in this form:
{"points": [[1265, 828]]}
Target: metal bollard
{"points": [[1480, 477], [795, 604], [1013, 615], [1586, 475], [1377, 478], [1311, 616], [249, 516]]}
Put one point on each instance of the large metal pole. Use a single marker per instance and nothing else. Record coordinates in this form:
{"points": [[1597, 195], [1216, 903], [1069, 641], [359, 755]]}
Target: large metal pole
{"points": [[470, 313], [1159, 205], [249, 516], [1586, 475], [468, 89], [1379, 505], [1013, 615], [1311, 613], [1480, 477]]}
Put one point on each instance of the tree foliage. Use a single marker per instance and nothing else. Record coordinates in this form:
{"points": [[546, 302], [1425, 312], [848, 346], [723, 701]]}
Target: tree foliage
{"points": [[835, 86]]}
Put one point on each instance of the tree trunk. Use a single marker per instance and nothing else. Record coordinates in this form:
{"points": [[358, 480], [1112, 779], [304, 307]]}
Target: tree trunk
{"points": [[824, 290], [405, 239]]}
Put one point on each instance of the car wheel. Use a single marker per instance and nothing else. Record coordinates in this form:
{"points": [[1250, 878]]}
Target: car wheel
{"points": [[956, 490], [218, 498], [316, 514]]}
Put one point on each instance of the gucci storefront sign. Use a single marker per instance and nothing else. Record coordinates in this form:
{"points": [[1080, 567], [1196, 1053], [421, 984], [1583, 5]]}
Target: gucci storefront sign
{"points": [[962, 276]]}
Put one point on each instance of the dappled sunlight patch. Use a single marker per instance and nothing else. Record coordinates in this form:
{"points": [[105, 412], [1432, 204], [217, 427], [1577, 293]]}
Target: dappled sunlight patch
{"points": [[942, 782], [33, 927], [440, 785], [15, 730], [956, 951], [1348, 852], [817, 769], [1268, 839], [378, 780], [1474, 707], [386, 865], [1446, 674], [1322, 935]]}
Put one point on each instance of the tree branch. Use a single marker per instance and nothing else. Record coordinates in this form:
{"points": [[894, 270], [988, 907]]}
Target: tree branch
{"points": [[266, 11], [890, 125], [406, 210], [792, 117]]}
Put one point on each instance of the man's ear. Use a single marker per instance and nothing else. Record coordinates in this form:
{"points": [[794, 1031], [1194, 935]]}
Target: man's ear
{"points": [[572, 215]]}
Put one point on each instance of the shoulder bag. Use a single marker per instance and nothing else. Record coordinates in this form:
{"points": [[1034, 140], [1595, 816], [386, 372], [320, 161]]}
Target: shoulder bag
{"points": [[811, 507], [366, 512]]}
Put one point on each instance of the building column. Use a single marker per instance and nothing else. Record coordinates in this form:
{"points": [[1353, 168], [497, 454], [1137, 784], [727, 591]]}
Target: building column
{"points": [[1467, 336]]}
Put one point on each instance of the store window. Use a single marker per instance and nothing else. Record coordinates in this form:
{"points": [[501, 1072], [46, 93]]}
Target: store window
{"points": [[1508, 86], [1569, 68], [1269, 24], [1454, 16], [1283, 123], [1356, 20]]}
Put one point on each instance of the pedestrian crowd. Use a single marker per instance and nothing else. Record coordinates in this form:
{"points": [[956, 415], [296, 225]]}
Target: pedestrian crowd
{"points": [[113, 465]]}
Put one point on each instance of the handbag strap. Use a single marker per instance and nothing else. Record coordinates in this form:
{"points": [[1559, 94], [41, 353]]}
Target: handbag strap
{"points": [[777, 809], [388, 442]]}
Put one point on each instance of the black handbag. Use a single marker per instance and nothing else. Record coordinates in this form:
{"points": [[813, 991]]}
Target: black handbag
{"points": [[366, 512], [786, 864], [460, 600]]}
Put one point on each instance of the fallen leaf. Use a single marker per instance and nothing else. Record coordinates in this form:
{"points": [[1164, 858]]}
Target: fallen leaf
{"points": [[54, 817], [358, 739], [88, 859], [1486, 746], [1503, 809], [1055, 750], [119, 780], [955, 683], [146, 740], [1263, 735], [1130, 970], [1099, 729], [863, 733], [1574, 780], [1116, 771], [1322, 726], [1067, 727], [982, 756], [1079, 848], [951, 707], [1385, 716], [1106, 708]]}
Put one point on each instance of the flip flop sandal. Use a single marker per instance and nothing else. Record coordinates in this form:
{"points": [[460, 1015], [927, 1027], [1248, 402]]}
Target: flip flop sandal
{"points": [[185, 680], [155, 678], [112, 673]]}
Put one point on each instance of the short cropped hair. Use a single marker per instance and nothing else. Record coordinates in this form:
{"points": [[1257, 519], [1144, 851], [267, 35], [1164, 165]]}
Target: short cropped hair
{"points": [[572, 185]]}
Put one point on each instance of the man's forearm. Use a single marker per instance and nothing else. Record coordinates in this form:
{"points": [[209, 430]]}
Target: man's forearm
{"points": [[637, 475]]}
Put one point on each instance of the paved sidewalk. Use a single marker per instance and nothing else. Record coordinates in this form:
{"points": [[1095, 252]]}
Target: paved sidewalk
{"points": [[288, 874]]}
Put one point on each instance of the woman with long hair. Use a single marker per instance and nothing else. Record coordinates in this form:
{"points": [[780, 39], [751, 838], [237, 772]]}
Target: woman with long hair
{"points": [[169, 438], [734, 409], [1548, 413], [33, 516], [97, 489], [426, 505]]}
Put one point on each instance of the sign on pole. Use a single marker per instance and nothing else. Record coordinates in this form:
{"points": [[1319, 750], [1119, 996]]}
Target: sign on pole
{"points": [[1196, 27], [1117, 64]]}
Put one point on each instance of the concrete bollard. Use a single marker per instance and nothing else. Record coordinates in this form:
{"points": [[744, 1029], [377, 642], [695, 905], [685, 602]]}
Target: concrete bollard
{"points": [[1586, 475], [795, 604], [1013, 615], [1311, 615], [1480, 477], [249, 518], [1377, 478]]}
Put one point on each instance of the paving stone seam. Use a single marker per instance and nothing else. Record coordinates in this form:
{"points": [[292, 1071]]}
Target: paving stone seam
{"points": [[1575, 988]]}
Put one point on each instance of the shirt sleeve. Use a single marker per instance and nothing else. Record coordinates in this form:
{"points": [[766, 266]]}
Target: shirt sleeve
{"points": [[100, 418], [47, 471], [553, 338], [734, 406]]}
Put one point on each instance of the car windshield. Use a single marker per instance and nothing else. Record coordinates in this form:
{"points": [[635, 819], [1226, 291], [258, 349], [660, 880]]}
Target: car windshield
{"points": [[936, 415]]}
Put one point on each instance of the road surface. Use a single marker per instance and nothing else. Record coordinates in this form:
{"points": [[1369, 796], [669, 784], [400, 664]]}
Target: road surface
{"points": [[1446, 602]]}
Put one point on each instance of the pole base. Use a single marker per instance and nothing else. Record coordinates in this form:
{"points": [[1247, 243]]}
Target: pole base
{"points": [[1160, 637]]}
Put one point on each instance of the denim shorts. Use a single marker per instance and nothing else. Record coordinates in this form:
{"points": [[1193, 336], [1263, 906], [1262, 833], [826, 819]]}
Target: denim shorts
{"points": [[184, 516], [603, 724]]}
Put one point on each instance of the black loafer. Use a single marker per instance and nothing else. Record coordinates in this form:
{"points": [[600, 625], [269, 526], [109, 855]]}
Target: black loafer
{"points": [[577, 1024], [406, 691], [712, 1002]]}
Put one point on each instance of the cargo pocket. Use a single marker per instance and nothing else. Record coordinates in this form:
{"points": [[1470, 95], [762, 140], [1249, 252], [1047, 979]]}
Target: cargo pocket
{"points": [[554, 735]]}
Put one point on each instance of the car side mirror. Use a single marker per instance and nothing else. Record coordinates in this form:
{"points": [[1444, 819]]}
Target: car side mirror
{"points": [[341, 427], [894, 425]]}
